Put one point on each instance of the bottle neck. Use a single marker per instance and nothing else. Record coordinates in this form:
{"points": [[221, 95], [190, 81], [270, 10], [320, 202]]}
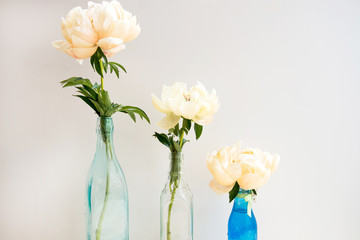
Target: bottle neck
{"points": [[104, 130], [176, 163], [239, 202]]}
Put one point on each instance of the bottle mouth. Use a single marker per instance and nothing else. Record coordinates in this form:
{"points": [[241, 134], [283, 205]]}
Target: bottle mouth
{"points": [[105, 125], [176, 161], [243, 193], [176, 156]]}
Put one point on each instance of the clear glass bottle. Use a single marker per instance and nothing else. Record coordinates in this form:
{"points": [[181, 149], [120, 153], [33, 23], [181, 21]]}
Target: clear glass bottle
{"points": [[107, 206], [176, 204], [241, 226]]}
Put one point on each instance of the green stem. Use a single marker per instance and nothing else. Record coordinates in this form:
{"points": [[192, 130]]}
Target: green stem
{"points": [[174, 184], [102, 72], [169, 215], [181, 138], [107, 191]]}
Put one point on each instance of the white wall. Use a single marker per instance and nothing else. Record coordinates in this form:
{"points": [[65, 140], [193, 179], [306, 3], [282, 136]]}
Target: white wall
{"points": [[287, 73]]}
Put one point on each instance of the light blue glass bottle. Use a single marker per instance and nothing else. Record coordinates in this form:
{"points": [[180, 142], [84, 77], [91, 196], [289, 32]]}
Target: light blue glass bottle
{"points": [[241, 226], [107, 205]]}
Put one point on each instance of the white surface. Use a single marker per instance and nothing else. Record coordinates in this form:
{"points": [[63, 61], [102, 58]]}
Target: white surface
{"points": [[287, 73]]}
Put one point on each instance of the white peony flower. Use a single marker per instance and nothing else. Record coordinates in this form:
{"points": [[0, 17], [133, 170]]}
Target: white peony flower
{"points": [[114, 25], [105, 25], [80, 37], [196, 104], [250, 167]]}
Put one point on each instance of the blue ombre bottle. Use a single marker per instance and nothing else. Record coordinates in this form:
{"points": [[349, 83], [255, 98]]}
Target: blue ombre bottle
{"points": [[241, 226]]}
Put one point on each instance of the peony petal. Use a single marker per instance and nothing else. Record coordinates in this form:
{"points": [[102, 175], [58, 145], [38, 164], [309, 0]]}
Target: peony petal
{"points": [[204, 110], [111, 52], [74, 17], [218, 188], [119, 29], [81, 53], [267, 159], [169, 121], [176, 90], [133, 33], [174, 105], [111, 45], [81, 43], [203, 121], [233, 170], [215, 167], [250, 181], [275, 162], [118, 8], [61, 45], [110, 42], [266, 177], [158, 104], [64, 30], [189, 109], [87, 35], [106, 18], [97, 17]]}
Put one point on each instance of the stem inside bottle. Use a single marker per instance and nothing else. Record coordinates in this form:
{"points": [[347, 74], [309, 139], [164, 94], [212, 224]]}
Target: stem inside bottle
{"points": [[175, 174], [106, 130]]}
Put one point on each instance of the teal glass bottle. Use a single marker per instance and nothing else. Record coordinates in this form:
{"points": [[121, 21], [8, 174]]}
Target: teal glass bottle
{"points": [[241, 226], [107, 205], [176, 204]]}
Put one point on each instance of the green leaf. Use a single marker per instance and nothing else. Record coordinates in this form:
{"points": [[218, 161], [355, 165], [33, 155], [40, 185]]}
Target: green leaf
{"points": [[184, 141], [98, 68], [132, 115], [119, 65], [96, 86], [136, 110], [234, 191], [94, 94], [163, 138], [92, 60], [198, 130], [106, 98], [254, 192], [75, 81], [176, 130], [116, 106], [105, 66], [171, 141], [102, 55], [101, 100], [83, 92], [98, 107], [115, 68], [88, 102], [70, 80], [176, 146], [186, 124]]}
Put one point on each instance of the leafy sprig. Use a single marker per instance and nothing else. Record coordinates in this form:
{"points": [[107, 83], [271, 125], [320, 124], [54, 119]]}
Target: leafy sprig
{"points": [[95, 96], [100, 64], [99, 100], [175, 140]]}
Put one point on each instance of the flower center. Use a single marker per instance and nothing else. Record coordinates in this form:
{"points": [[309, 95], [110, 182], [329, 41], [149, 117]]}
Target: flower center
{"points": [[92, 23], [248, 152], [187, 97]]}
